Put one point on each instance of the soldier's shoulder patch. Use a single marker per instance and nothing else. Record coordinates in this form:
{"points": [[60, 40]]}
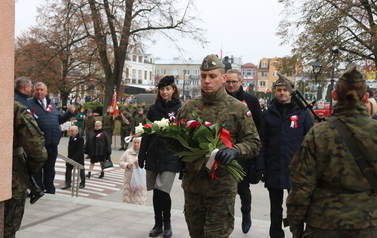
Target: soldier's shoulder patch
{"points": [[248, 113]]}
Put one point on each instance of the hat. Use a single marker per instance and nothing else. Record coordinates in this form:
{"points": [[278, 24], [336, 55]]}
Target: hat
{"points": [[166, 81], [352, 74], [280, 81], [89, 111], [211, 62], [122, 109]]}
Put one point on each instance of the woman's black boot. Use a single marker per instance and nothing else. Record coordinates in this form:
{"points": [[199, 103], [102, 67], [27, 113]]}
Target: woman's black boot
{"points": [[102, 175], [156, 230], [88, 175], [167, 230]]}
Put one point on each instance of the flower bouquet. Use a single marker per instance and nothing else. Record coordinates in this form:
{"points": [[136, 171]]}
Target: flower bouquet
{"points": [[201, 139]]}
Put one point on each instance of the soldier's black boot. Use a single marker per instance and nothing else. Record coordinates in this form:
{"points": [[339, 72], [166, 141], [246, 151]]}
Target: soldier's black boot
{"points": [[167, 230], [88, 175], [156, 230], [102, 175], [246, 222]]}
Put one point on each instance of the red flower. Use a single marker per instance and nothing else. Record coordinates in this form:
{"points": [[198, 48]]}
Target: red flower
{"points": [[193, 124], [147, 125]]}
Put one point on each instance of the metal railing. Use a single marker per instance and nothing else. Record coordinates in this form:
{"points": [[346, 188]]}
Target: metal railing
{"points": [[75, 174]]}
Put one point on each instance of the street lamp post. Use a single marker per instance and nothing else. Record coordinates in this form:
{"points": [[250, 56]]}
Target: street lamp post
{"points": [[335, 51], [183, 90], [317, 67]]}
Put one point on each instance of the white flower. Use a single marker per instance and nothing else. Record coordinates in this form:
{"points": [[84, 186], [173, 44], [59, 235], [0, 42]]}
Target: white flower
{"points": [[139, 129], [163, 123]]}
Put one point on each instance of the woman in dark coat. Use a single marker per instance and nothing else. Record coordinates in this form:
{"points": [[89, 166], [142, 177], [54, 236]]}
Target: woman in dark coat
{"points": [[160, 163], [98, 147]]}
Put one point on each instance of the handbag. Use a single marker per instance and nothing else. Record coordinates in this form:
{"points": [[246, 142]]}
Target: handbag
{"points": [[138, 179], [107, 163]]}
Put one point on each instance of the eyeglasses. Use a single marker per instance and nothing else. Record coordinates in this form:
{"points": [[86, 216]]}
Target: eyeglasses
{"points": [[231, 82]]}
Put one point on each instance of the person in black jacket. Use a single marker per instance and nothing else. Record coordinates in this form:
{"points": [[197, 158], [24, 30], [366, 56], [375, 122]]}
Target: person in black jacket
{"points": [[160, 163], [49, 120], [98, 148], [233, 86], [75, 152]]}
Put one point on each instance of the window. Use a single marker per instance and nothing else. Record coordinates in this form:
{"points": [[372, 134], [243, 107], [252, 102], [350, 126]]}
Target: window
{"points": [[264, 74], [262, 84], [195, 72], [134, 58], [145, 75], [174, 71], [264, 64], [141, 59], [133, 74], [140, 74], [274, 74]]}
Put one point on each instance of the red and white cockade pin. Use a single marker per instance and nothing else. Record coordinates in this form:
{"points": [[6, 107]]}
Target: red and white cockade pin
{"points": [[294, 119], [49, 108]]}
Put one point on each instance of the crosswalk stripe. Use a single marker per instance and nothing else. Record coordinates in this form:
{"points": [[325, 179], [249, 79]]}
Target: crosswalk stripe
{"points": [[94, 187]]}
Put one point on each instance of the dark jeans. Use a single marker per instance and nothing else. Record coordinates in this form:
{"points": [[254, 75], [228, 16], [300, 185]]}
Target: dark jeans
{"points": [[243, 189], [46, 174], [276, 212]]}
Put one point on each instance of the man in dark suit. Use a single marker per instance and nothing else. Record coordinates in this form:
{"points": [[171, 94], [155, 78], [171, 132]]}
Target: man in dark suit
{"points": [[75, 152], [49, 120]]}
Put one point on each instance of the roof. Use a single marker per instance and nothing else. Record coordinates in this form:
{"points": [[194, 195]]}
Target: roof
{"points": [[178, 61]]}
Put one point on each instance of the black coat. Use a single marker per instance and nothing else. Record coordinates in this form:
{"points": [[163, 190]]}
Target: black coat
{"points": [[98, 146], [49, 121], [252, 103], [76, 148], [153, 152]]}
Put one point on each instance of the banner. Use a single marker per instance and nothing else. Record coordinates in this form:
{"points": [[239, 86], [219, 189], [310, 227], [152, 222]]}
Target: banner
{"points": [[114, 104]]}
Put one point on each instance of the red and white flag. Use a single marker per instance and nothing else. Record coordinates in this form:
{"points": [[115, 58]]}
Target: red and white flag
{"points": [[114, 104], [267, 90]]}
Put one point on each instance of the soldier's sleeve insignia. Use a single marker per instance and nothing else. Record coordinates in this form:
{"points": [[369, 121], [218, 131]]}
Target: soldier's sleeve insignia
{"points": [[28, 111], [248, 113]]}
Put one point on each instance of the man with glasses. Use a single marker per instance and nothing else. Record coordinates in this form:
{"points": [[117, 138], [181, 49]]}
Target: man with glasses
{"points": [[233, 86]]}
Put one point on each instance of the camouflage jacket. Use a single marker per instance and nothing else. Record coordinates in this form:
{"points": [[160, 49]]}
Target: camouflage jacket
{"points": [[328, 188], [29, 138], [124, 125], [88, 125], [108, 122], [221, 108]]}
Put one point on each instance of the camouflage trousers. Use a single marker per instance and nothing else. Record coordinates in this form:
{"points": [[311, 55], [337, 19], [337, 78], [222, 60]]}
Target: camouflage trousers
{"points": [[208, 217], [13, 213], [312, 232]]}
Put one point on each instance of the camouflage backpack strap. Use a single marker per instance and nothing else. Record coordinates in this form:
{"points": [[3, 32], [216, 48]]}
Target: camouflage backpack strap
{"points": [[365, 168]]}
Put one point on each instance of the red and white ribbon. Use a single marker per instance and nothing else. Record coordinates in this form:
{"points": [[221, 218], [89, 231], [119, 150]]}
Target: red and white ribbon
{"points": [[294, 119]]}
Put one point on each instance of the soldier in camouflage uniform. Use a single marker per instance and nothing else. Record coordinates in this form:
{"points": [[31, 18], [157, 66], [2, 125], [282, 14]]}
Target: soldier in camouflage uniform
{"points": [[139, 118], [29, 139], [108, 122], [209, 203], [125, 127], [88, 124], [329, 192]]}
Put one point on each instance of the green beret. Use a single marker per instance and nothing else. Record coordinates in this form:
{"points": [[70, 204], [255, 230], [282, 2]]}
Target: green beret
{"points": [[89, 111], [211, 62], [352, 74]]}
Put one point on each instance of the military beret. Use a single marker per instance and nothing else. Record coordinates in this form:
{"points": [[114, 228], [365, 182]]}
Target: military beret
{"points": [[280, 82], [166, 81], [211, 62], [352, 74], [89, 111]]}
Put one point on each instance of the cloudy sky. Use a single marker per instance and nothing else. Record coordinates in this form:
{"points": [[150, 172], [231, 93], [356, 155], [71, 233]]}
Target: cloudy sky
{"points": [[242, 28]]}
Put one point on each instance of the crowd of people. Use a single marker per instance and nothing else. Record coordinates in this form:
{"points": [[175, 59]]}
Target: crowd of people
{"points": [[331, 188]]}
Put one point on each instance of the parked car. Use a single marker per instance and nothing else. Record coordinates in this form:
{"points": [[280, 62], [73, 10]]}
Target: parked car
{"points": [[322, 110]]}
